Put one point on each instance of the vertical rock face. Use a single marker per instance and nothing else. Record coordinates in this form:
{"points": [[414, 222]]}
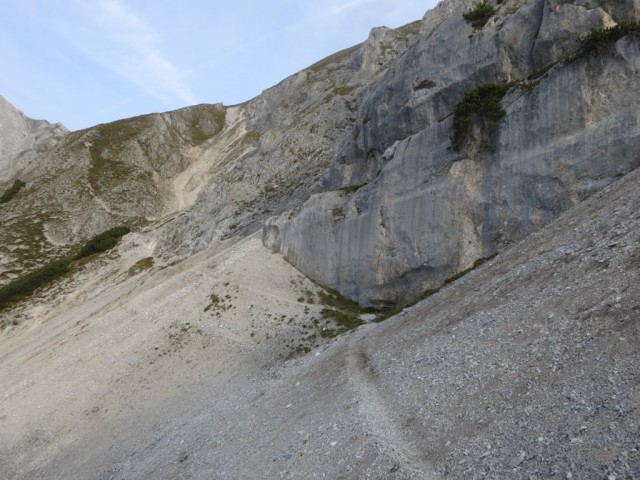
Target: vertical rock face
{"points": [[406, 211]]}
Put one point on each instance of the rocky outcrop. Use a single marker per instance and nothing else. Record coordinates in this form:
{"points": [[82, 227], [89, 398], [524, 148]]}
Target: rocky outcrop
{"points": [[370, 127], [137, 365], [19, 134], [406, 211]]}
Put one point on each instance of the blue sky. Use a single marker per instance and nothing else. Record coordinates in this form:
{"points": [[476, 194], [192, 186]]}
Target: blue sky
{"points": [[84, 62]]}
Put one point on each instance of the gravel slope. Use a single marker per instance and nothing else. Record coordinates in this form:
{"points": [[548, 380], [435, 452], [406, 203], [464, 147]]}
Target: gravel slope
{"points": [[525, 368]]}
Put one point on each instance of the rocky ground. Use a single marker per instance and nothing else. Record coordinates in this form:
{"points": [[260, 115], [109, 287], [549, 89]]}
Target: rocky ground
{"points": [[524, 368]]}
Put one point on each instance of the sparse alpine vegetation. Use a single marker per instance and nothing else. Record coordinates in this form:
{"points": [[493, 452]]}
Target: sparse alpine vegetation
{"points": [[479, 15], [12, 191], [103, 241], [483, 102], [141, 265]]}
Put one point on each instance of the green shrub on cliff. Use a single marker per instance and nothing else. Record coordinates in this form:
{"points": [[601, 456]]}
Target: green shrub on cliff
{"points": [[483, 102], [102, 242], [479, 15], [600, 39]]}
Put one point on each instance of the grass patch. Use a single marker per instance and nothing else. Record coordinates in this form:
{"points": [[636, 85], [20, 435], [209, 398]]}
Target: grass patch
{"points": [[344, 312], [107, 142], [29, 283], [333, 59], [483, 104], [140, 266], [204, 122], [310, 297], [24, 241], [215, 301], [412, 28], [251, 138], [340, 92], [102, 242], [219, 305], [479, 15], [12, 191]]}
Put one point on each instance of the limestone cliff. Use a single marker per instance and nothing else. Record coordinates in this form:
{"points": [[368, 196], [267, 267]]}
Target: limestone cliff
{"points": [[284, 141], [405, 211]]}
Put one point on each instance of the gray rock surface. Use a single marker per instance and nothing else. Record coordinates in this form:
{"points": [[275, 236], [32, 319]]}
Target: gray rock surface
{"points": [[296, 128], [407, 211]]}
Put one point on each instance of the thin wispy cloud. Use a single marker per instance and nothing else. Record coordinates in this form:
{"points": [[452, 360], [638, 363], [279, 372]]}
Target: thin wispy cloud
{"points": [[123, 42], [111, 108], [344, 7], [86, 61]]}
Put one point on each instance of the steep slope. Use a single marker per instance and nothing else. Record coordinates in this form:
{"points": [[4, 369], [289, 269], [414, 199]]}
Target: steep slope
{"points": [[406, 210], [526, 367], [294, 131]]}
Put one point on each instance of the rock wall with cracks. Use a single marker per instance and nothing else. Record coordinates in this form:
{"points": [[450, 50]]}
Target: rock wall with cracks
{"points": [[404, 212]]}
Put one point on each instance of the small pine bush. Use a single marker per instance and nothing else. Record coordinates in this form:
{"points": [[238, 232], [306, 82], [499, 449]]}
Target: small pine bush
{"points": [[479, 15], [600, 39], [11, 192], [103, 241]]}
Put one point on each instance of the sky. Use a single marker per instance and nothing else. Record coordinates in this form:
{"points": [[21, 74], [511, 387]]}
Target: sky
{"points": [[84, 62]]}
